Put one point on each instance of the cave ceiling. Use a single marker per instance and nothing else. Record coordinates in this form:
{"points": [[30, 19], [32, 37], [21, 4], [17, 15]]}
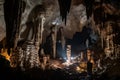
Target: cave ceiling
{"points": [[76, 18]]}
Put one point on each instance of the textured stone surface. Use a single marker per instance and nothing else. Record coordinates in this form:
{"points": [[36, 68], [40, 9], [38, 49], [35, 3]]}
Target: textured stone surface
{"points": [[2, 22], [26, 56], [76, 17], [2, 33]]}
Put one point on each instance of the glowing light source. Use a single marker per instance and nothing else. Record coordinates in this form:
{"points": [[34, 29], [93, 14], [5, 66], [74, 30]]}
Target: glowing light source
{"points": [[57, 21], [5, 54]]}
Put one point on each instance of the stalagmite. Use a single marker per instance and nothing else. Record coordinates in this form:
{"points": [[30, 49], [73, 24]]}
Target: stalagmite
{"points": [[62, 39], [87, 43], [54, 44], [42, 27], [68, 53], [82, 56]]}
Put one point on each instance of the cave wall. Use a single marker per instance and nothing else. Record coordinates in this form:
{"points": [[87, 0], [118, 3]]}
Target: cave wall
{"points": [[2, 22]]}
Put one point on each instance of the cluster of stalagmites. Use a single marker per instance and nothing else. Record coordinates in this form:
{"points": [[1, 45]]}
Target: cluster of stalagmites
{"points": [[26, 57]]}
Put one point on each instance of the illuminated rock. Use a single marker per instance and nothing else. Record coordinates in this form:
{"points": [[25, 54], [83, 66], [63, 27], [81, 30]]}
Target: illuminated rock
{"points": [[68, 53], [27, 56]]}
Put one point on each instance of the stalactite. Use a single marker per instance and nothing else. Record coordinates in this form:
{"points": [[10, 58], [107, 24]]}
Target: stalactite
{"points": [[17, 35], [64, 6], [89, 7], [12, 14]]}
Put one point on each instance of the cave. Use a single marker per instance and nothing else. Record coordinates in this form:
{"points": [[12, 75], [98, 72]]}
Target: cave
{"points": [[60, 39]]}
